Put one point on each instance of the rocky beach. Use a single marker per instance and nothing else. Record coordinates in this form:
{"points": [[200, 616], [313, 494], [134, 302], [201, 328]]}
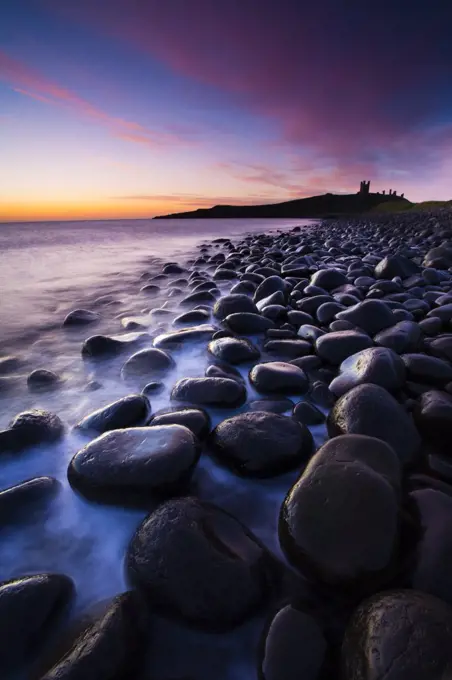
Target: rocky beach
{"points": [[239, 466]]}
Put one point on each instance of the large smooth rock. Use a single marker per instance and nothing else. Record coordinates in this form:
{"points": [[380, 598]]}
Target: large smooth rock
{"points": [[17, 502], [135, 463], [248, 323], [328, 279], [233, 304], [293, 647], [396, 265], [399, 635], [428, 370], [197, 420], [279, 377], [30, 428], [339, 523], [100, 346], [270, 285], [308, 414], [125, 412], [433, 417], [288, 349], [147, 363], [261, 444], [42, 379], [110, 648], [442, 347], [433, 569], [371, 315], [176, 339], [31, 607], [371, 410], [376, 365], [402, 337], [220, 392], [438, 258], [370, 451], [197, 563], [337, 346], [80, 317], [233, 350]]}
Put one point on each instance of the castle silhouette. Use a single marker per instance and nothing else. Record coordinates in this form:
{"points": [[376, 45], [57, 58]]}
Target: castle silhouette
{"points": [[364, 189]]}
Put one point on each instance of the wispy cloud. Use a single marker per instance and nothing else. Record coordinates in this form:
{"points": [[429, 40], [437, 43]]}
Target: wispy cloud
{"points": [[195, 201], [29, 82]]}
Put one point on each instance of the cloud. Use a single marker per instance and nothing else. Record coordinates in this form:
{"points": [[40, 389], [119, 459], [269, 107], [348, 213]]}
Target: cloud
{"points": [[29, 82], [196, 201], [355, 84]]}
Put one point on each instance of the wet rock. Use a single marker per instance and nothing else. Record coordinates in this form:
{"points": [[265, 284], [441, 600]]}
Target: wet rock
{"points": [[150, 289], [429, 370], [233, 350], [199, 564], [372, 316], [354, 537], [192, 317], [442, 347], [134, 464], [321, 394], [98, 346], [219, 392], [288, 349], [126, 412], [431, 326], [172, 268], [433, 417], [278, 377], [176, 339], [395, 265], [261, 444], [404, 336], [248, 323], [42, 379], [433, 569], [30, 609], [371, 410], [154, 387], [195, 419], [19, 500], [399, 635], [328, 279], [438, 258], [30, 428], [369, 451], [376, 365], [205, 296], [81, 317], [147, 363], [336, 347], [283, 656], [233, 304], [326, 312], [271, 405], [310, 333], [9, 364], [110, 648], [308, 414], [270, 285]]}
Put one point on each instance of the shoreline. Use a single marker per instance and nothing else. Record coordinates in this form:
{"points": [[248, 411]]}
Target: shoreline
{"points": [[306, 391]]}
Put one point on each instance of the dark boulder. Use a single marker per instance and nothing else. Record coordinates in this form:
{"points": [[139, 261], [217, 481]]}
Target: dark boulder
{"points": [[197, 563], [395, 265], [233, 350], [404, 336], [191, 317], [18, 501], [376, 365], [288, 349], [31, 608], [147, 363], [339, 524], [125, 412], [372, 316], [428, 370], [176, 339], [80, 317], [30, 428], [279, 377], [308, 414], [328, 279], [134, 464], [270, 285], [371, 410], [433, 417], [233, 304], [110, 648], [152, 388], [261, 444], [248, 323], [438, 258], [220, 392], [336, 347], [100, 346], [195, 419], [293, 647], [399, 635], [42, 379]]}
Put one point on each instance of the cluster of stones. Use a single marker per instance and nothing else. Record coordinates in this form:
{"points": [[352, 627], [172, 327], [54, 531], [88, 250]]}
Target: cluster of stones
{"points": [[345, 323]]}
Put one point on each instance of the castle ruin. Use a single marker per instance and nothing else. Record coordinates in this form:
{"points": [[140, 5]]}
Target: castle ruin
{"points": [[364, 190]]}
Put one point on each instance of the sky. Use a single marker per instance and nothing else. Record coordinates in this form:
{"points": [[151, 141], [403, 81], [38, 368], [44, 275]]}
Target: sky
{"points": [[133, 108]]}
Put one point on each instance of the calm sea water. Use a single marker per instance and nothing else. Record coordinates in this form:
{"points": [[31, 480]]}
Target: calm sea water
{"points": [[47, 269]]}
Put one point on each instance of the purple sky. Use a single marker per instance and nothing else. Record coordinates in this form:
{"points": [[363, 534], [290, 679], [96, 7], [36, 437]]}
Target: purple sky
{"points": [[132, 107]]}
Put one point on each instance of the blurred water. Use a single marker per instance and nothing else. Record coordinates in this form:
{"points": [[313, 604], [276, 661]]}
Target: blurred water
{"points": [[45, 271]]}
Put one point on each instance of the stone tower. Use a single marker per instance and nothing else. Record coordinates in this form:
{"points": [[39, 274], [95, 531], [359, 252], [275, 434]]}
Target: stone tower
{"points": [[364, 187]]}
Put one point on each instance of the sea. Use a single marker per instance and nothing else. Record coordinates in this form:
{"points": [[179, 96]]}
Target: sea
{"points": [[46, 270]]}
